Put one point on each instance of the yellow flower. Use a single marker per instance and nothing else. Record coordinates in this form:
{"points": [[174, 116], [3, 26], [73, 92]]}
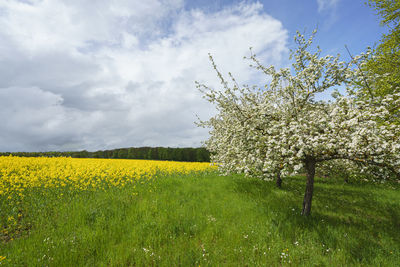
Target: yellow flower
{"points": [[19, 174]]}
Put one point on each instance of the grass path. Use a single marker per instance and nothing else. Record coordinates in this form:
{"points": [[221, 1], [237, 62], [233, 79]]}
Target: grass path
{"points": [[208, 220]]}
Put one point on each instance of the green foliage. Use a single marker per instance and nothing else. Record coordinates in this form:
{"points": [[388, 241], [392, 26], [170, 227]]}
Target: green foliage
{"points": [[208, 220], [190, 154], [388, 10], [385, 60]]}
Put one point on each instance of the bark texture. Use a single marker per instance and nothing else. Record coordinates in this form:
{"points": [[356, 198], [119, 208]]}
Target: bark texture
{"points": [[310, 168], [278, 180]]}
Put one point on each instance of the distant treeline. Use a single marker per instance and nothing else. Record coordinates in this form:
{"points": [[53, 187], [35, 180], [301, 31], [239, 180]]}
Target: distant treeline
{"points": [[154, 153]]}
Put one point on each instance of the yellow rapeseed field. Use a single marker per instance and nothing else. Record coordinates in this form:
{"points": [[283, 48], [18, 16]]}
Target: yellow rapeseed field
{"points": [[19, 173]]}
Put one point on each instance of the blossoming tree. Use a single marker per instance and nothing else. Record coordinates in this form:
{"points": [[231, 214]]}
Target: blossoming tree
{"points": [[281, 129]]}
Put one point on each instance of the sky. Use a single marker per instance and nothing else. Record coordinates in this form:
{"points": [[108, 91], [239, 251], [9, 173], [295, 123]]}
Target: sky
{"points": [[95, 75]]}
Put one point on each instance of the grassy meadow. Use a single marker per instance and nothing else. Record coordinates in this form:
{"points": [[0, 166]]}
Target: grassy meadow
{"points": [[193, 218]]}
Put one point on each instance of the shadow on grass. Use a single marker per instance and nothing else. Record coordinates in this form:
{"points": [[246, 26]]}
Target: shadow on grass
{"points": [[351, 217]]}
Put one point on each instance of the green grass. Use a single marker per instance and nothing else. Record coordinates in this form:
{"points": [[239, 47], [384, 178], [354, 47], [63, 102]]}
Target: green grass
{"points": [[208, 220]]}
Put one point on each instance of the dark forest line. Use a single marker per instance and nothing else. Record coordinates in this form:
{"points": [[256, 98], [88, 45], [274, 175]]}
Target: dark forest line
{"points": [[151, 153]]}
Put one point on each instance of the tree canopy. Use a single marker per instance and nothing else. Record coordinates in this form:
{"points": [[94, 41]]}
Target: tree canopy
{"points": [[281, 128], [384, 61], [191, 154]]}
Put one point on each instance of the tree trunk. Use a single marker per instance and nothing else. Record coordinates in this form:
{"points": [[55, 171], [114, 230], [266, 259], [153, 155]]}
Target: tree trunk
{"points": [[310, 168], [278, 179]]}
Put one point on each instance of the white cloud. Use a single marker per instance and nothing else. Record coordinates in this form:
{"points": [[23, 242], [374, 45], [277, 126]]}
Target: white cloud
{"points": [[105, 74], [326, 4]]}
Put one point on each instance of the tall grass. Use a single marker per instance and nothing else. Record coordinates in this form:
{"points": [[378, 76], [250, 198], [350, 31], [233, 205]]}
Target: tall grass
{"points": [[209, 220]]}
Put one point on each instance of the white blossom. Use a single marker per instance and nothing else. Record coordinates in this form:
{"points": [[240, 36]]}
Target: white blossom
{"points": [[259, 131]]}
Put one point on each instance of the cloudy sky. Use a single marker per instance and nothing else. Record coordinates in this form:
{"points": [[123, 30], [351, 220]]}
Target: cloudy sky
{"points": [[83, 74]]}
